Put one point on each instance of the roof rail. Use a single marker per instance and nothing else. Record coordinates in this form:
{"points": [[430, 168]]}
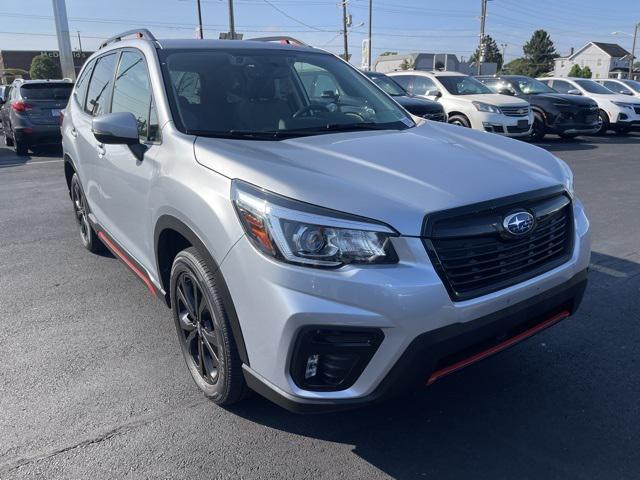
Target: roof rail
{"points": [[282, 39], [138, 32]]}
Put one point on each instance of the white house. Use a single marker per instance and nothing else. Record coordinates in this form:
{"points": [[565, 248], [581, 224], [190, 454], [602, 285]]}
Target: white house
{"points": [[606, 60]]}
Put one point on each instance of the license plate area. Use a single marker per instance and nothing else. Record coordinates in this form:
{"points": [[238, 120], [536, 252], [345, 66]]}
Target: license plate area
{"points": [[523, 123]]}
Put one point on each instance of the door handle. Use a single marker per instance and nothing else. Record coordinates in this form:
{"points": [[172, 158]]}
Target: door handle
{"points": [[74, 132], [101, 150]]}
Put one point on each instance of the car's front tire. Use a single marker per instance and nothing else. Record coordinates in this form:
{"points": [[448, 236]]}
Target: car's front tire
{"points": [[459, 120], [604, 123], [204, 331], [538, 129], [88, 236]]}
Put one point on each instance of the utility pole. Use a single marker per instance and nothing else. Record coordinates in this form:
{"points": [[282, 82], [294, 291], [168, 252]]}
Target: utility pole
{"points": [[344, 30], [480, 56], [79, 42], [370, 19], [504, 53], [64, 42], [633, 51], [199, 30], [232, 25]]}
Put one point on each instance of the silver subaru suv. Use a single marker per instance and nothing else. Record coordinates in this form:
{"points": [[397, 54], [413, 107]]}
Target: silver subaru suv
{"points": [[314, 241]]}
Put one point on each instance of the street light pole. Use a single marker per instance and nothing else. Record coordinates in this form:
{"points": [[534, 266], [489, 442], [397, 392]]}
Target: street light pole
{"points": [[370, 18], [633, 51], [64, 42], [483, 16], [344, 31], [232, 24], [79, 42], [200, 32]]}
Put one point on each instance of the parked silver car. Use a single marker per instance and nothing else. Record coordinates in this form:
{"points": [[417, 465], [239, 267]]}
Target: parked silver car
{"points": [[314, 243]]}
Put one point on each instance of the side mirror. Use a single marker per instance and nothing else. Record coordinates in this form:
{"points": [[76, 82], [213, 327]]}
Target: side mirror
{"points": [[506, 91], [574, 91], [116, 129], [626, 92], [434, 93]]}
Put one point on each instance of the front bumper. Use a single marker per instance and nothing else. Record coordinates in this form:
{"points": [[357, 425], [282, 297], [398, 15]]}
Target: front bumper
{"points": [[502, 124], [422, 326]]}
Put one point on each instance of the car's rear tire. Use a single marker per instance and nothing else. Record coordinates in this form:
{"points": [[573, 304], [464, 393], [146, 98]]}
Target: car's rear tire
{"points": [[604, 123], [459, 120], [21, 148], [7, 140], [204, 331], [88, 236], [538, 129]]}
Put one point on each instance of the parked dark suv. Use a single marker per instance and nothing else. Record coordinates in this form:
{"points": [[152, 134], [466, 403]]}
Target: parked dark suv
{"points": [[31, 114], [566, 115], [419, 107]]}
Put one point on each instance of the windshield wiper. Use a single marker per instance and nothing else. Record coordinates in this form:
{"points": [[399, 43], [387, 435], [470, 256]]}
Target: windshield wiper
{"points": [[345, 127], [246, 134]]}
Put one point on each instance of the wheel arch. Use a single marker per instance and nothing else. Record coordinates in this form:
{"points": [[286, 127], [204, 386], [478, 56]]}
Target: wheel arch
{"points": [[69, 170], [172, 235]]}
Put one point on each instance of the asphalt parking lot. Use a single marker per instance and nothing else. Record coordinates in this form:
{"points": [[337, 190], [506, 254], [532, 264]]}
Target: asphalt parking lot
{"points": [[93, 384]]}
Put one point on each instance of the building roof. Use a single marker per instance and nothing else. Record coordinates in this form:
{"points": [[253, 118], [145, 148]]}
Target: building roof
{"points": [[612, 49]]}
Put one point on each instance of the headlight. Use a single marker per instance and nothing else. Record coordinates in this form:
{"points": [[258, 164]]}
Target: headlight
{"points": [[485, 107], [300, 233], [622, 104]]}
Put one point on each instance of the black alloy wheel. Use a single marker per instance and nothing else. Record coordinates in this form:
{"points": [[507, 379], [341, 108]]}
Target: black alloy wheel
{"points": [[87, 235], [538, 129], [204, 332]]}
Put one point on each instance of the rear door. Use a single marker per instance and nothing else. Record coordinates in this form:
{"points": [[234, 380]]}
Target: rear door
{"points": [[88, 150], [46, 100], [124, 179]]}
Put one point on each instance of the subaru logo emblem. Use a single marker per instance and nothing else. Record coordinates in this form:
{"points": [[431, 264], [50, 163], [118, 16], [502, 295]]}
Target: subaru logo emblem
{"points": [[519, 223]]}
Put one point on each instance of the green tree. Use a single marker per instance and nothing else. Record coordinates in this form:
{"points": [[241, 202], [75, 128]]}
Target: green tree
{"points": [[43, 67], [540, 52], [407, 64], [519, 66], [491, 52], [575, 71], [586, 72]]}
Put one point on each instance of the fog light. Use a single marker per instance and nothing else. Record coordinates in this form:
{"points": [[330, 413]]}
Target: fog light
{"points": [[332, 358]]}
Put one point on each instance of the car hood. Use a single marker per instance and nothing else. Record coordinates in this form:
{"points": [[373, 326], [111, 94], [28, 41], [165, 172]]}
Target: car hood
{"points": [[392, 176], [564, 98], [495, 99], [420, 105]]}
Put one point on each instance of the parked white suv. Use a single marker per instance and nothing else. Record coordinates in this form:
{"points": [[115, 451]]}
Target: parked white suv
{"points": [[617, 112], [313, 242], [469, 103], [622, 86]]}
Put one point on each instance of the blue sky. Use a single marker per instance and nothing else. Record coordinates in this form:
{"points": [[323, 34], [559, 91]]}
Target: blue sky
{"points": [[441, 26]]}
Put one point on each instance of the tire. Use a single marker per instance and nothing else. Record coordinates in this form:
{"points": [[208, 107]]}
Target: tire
{"points": [[8, 141], [203, 329], [623, 130], [88, 236], [539, 128], [20, 147], [604, 125], [459, 120]]}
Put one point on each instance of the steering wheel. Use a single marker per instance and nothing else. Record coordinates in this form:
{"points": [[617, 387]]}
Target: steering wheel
{"points": [[309, 108]]}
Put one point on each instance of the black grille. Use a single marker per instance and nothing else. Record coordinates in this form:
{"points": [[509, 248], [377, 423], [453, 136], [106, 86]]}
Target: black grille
{"points": [[516, 129], [637, 109], [474, 255]]}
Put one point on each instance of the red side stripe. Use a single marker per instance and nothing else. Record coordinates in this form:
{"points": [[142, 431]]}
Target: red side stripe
{"points": [[496, 348], [127, 262]]}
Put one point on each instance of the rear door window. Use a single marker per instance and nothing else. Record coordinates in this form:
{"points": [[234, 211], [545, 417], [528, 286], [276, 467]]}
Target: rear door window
{"points": [[46, 91], [100, 85]]}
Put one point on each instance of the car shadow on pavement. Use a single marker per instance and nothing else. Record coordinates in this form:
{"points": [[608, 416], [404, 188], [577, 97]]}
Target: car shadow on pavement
{"points": [[554, 143], [560, 405], [9, 158]]}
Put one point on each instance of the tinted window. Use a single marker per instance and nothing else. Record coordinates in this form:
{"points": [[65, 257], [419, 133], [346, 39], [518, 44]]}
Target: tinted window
{"points": [[593, 87], [403, 80], [83, 83], [462, 85], [616, 87], [132, 92], [562, 86], [46, 91], [633, 84], [388, 85], [422, 85], [100, 84], [187, 86], [273, 93]]}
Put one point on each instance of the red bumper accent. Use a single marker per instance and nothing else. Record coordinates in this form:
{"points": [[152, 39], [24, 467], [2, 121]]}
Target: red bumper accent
{"points": [[127, 262], [438, 374]]}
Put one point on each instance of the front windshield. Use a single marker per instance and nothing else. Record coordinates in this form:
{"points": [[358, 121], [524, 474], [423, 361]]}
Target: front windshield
{"points": [[531, 86], [388, 85], [633, 85], [593, 87], [462, 85], [259, 93]]}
